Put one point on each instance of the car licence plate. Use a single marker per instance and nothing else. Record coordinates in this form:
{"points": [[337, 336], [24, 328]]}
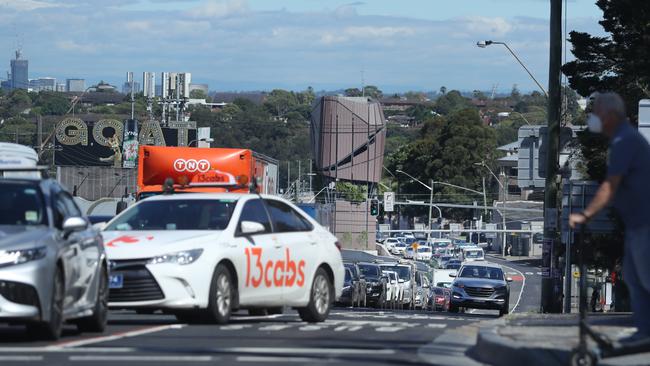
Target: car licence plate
{"points": [[116, 281]]}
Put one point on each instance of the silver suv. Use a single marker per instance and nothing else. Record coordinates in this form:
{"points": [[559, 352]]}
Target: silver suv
{"points": [[52, 263]]}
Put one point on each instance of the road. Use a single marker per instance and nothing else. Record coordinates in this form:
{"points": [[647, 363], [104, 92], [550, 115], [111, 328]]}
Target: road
{"points": [[359, 336]]}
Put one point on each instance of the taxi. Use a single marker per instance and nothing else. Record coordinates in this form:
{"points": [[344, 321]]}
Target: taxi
{"points": [[201, 256]]}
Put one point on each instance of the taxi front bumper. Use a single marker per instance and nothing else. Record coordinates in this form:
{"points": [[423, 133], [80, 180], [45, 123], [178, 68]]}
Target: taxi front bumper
{"points": [[158, 286]]}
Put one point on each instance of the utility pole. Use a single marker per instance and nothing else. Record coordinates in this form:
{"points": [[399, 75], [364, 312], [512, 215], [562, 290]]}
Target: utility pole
{"points": [[430, 208], [551, 283]]}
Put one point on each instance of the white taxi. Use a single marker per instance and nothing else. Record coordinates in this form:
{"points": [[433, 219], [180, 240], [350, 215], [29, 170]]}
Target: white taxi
{"points": [[200, 256]]}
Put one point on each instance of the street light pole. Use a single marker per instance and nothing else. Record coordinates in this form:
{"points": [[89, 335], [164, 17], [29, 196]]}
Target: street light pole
{"points": [[505, 198], [551, 282], [431, 205], [430, 209], [483, 44]]}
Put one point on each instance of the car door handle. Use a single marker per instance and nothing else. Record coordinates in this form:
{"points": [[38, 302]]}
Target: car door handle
{"points": [[277, 246], [313, 243]]}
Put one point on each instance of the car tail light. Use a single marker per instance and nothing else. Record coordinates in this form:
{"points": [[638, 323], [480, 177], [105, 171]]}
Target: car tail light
{"points": [[338, 245], [440, 299]]}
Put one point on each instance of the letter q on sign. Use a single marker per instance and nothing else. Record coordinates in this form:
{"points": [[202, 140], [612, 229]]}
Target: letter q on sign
{"points": [[191, 165]]}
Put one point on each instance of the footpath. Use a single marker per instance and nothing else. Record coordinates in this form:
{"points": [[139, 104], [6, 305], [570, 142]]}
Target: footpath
{"points": [[529, 339]]}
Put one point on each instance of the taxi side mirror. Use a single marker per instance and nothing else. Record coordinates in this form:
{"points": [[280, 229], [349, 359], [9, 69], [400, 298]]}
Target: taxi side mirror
{"points": [[453, 274], [72, 224], [251, 228]]}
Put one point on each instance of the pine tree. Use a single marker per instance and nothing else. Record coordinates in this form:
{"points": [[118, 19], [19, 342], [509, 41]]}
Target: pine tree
{"points": [[619, 62]]}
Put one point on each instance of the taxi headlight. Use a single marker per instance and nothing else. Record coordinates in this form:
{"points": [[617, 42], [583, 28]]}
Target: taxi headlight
{"points": [[11, 257], [184, 257]]}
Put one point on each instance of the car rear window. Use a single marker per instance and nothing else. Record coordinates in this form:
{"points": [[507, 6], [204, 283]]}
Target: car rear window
{"points": [[21, 204], [371, 271]]}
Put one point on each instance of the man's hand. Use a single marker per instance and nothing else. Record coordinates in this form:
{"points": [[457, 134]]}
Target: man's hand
{"points": [[577, 219]]}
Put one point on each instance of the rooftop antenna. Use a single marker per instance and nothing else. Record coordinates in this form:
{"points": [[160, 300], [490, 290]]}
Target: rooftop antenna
{"points": [[129, 79], [494, 90]]}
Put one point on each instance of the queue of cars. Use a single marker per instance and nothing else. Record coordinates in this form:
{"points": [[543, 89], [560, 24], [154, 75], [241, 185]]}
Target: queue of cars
{"points": [[461, 278], [259, 252]]}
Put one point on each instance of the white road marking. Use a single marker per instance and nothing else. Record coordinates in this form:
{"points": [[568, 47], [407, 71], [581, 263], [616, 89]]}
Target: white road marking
{"points": [[113, 337], [151, 358], [437, 326], [352, 328], [276, 327], [261, 359], [523, 285], [539, 273], [529, 273], [302, 351], [235, 326], [51, 349], [20, 358], [311, 328]]}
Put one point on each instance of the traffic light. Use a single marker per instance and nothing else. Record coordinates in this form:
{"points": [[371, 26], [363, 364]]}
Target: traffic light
{"points": [[374, 208]]}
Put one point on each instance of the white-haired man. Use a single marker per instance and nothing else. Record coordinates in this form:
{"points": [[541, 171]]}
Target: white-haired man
{"points": [[627, 186]]}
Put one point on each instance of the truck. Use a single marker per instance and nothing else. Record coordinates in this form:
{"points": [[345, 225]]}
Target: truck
{"points": [[192, 169]]}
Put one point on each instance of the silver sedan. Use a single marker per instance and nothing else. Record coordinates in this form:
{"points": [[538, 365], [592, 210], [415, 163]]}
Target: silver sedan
{"points": [[52, 263]]}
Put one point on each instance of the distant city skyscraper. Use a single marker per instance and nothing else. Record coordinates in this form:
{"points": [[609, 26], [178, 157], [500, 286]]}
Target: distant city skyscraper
{"points": [[19, 72], [126, 87], [46, 84], [75, 85]]}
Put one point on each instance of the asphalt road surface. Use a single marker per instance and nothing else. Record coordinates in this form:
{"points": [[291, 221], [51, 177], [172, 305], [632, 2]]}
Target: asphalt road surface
{"points": [[349, 336]]}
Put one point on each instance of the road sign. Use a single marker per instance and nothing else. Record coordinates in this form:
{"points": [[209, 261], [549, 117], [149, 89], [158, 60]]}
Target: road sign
{"points": [[455, 228], [389, 201], [490, 227]]}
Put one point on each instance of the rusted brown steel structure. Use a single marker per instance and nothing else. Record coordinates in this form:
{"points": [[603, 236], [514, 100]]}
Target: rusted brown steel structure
{"points": [[347, 135]]}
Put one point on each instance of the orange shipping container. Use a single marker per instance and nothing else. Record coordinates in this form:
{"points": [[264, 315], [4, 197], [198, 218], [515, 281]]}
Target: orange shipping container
{"points": [[203, 169]]}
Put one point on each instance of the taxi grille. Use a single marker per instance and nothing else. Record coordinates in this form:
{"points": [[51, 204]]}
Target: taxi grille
{"points": [[479, 291], [138, 285]]}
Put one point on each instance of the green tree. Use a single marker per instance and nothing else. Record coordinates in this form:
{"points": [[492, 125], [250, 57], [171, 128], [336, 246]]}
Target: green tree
{"points": [[446, 151], [451, 102], [373, 92], [619, 61], [279, 102], [18, 130], [353, 92], [198, 94], [52, 103], [477, 94]]}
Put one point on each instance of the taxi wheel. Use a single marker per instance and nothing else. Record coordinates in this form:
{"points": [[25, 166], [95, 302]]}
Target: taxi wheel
{"points": [[275, 310], [51, 330], [97, 322], [222, 293], [320, 299]]}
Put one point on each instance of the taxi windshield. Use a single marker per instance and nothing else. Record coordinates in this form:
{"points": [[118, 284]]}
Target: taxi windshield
{"points": [[175, 215]]}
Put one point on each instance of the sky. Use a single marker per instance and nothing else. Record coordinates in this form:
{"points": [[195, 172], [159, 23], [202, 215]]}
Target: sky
{"points": [[236, 45]]}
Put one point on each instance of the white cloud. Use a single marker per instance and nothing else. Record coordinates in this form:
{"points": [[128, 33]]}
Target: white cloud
{"points": [[28, 5], [485, 25], [73, 46], [219, 8]]}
